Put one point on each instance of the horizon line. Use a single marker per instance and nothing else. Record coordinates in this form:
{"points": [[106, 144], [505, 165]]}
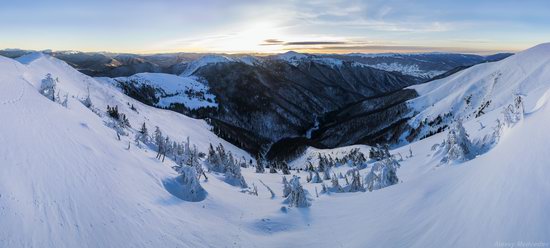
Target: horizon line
{"points": [[317, 51]]}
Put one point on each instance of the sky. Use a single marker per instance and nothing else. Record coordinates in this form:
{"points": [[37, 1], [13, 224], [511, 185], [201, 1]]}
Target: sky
{"points": [[259, 26]]}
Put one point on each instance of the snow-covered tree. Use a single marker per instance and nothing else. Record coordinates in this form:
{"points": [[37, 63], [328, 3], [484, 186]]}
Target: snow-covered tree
{"points": [[190, 182], [379, 152], [355, 158], [514, 112], [356, 183], [335, 184], [65, 102], [326, 173], [220, 161], [457, 146], [286, 187], [158, 138], [298, 195], [142, 135], [47, 87], [233, 173], [213, 161], [382, 174], [272, 168], [284, 168], [316, 178], [261, 162], [88, 100]]}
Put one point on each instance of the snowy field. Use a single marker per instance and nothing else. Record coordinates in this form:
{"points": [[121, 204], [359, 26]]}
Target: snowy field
{"points": [[68, 180]]}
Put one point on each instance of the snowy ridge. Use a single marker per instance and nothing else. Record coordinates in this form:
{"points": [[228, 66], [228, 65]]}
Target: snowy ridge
{"points": [[295, 59], [203, 61], [174, 89], [412, 70], [484, 88]]}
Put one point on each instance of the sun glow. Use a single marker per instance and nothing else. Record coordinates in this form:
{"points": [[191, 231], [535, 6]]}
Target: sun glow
{"points": [[247, 39]]}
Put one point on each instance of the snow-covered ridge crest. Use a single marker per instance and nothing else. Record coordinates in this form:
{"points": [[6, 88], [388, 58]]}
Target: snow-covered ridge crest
{"points": [[203, 61], [295, 59], [172, 89], [483, 89]]}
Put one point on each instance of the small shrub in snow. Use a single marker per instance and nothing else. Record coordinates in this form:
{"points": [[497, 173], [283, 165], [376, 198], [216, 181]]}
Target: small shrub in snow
{"points": [[382, 174], [298, 195]]}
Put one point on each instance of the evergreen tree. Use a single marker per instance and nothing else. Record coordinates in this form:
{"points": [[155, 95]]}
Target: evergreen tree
{"points": [[382, 174], [87, 101], [142, 135], [284, 168], [316, 178], [191, 185], [356, 184], [286, 187], [298, 195], [272, 168], [47, 87], [458, 146], [335, 184], [260, 163], [159, 141]]}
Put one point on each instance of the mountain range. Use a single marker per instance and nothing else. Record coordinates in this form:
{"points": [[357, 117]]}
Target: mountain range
{"points": [[464, 165]]}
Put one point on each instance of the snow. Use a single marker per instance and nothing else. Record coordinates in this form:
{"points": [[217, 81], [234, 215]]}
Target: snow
{"points": [[66, 181], [526, 73], [203, 61], [179, 89], [412, 70], [291, 55], [295, 59], [249, 60]]}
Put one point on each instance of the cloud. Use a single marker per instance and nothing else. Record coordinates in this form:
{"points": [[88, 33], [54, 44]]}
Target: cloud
{"points": [[272, 42], [314, 43], [395, 48]]}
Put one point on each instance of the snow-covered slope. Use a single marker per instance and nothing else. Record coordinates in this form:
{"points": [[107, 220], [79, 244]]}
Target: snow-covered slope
{"points": [[75, 84], [171, 89], [66, 181], [412, 70], [205, 60], [483, 88]]}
